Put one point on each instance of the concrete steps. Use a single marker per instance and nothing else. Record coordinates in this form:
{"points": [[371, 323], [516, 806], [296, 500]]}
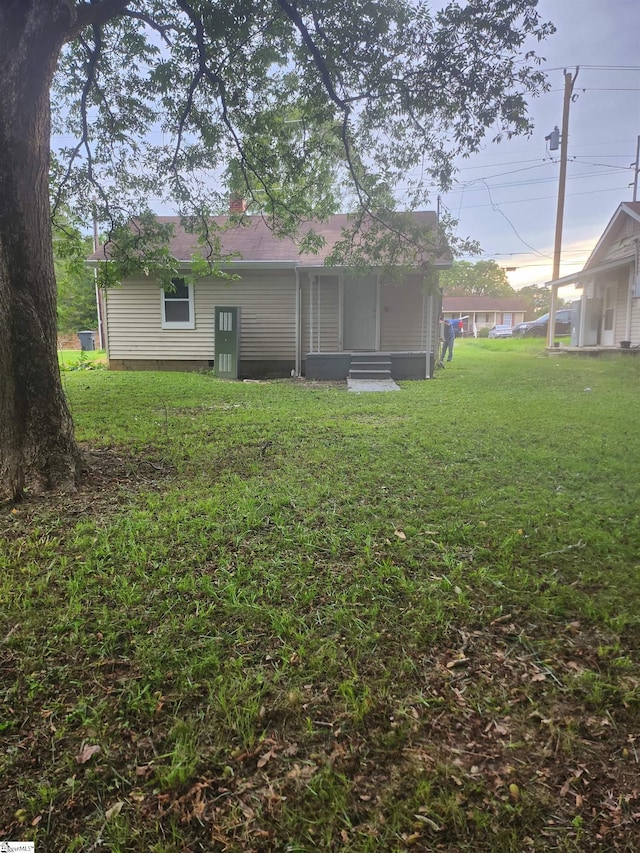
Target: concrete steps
{"points": [[370, 366]]}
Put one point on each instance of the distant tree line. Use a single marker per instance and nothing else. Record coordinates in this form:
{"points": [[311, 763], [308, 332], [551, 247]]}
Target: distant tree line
{"points": [[486, 278], [77, 308]]}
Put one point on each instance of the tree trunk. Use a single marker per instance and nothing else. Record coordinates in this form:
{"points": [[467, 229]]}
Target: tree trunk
{"points": [[37, 444]]}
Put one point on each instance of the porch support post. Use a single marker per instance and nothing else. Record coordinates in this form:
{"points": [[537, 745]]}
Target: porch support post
{"points": [[630, 291], [318, 280], [298, 330], [429, 297], [378, 309], [341, 311], [310, 313], [551, 326], [583, 316]]}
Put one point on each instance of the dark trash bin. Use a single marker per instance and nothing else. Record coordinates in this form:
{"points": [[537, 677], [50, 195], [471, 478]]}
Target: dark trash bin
{"points": [[87, 340]]}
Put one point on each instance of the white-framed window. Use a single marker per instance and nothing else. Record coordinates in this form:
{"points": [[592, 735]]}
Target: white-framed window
{"points": [[507, 318], [177, 306]]}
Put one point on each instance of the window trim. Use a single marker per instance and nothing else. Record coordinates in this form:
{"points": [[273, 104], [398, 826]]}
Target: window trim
{"points": [[179, 324]]}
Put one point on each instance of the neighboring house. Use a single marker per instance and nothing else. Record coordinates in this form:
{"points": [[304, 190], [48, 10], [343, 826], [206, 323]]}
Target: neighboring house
{"points": [[286, 314], [484, 311], [608, 311]]}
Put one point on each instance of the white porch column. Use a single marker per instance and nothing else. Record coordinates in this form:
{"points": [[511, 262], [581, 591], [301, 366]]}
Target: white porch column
{"points": [[298, 329], [630, 292]]}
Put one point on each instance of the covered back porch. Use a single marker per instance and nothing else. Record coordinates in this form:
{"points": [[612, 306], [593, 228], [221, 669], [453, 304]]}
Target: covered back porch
{"points": [[366, 327]]}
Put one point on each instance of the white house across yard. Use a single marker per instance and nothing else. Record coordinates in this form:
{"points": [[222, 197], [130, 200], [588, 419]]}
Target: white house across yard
{"points": [[607, 315], [286, 314]]}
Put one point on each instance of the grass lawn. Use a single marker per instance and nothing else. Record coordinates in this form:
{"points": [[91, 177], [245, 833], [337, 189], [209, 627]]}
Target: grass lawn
{"points": [[75, 359], [282, 617]]}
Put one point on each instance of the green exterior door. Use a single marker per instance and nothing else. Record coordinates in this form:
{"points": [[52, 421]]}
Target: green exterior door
{"points": [[227, 342]]}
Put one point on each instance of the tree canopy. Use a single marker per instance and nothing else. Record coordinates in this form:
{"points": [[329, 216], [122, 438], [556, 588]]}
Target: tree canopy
{"points": [[320, 105], [483, 278], [77, 307], [306, 108], [539, 298]]}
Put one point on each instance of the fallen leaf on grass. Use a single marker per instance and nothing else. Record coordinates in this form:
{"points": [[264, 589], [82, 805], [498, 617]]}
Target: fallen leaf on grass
{"points": [[114, 811], [400, 534], [457, 662], [87, 752], [302, 773], [500, 620], [427, 820], [266, 757]]}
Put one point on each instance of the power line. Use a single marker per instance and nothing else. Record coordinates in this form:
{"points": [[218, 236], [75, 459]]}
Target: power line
{"points": [[547, 197], [596, 67]]}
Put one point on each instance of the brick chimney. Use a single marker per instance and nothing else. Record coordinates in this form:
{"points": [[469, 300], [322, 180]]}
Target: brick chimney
{"points": [[237, 204]]}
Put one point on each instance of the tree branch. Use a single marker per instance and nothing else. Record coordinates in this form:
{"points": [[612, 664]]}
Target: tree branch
{"points": [[216, 80], [95, 14], [294, 15], [150, 22], [94, 57]]}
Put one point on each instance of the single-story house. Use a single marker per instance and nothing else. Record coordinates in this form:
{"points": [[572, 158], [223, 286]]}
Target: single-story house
{"points": [[608, 311], [484, 311], [286, 313]]}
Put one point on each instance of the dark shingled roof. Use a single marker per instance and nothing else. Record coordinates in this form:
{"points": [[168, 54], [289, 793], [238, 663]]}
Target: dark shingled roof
{"points": [[252, 240]]}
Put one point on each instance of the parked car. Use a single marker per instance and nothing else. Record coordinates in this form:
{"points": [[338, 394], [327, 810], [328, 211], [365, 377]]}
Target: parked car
{"points": [[538, 328], [500, 332]]}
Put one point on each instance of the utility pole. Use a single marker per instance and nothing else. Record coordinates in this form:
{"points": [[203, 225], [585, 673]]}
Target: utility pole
{"points": [[569, 81], [636, 170]]}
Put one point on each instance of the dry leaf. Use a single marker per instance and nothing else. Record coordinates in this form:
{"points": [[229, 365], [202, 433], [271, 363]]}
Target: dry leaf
{"points": [[302, 773], [430, 823], [266, 757], [87, 752], [500, 620], [457, 662], [400, 534], [114, 811]]}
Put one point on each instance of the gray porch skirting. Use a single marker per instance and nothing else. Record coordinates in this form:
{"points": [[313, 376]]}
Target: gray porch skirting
{"points": [[337, 365]]}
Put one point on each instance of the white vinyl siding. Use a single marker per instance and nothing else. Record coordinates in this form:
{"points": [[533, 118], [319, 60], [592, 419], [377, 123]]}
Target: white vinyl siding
{"points": [[267, 317], [401, 320], [320, 302], [635, 322], [620, 309], [267, 331], [134, 314]]}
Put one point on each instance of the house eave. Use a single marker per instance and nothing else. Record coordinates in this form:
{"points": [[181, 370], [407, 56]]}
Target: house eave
{"points": [[273, 265], [574, 278]]}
